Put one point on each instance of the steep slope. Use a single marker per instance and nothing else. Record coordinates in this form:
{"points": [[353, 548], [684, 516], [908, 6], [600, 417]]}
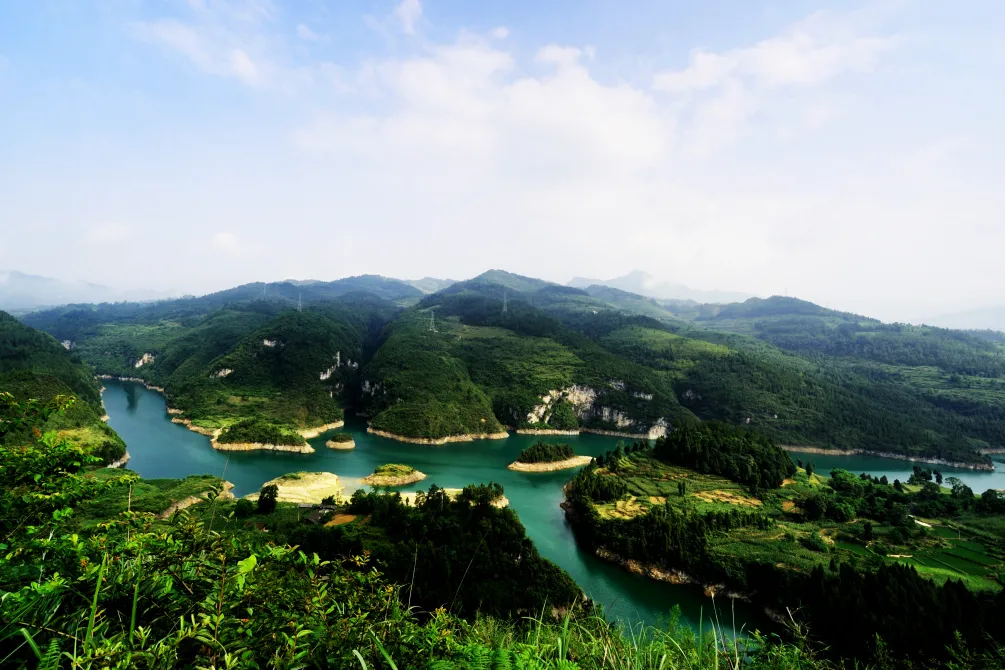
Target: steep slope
{"points": [[224, 363], [34, 365], [483, 367]]}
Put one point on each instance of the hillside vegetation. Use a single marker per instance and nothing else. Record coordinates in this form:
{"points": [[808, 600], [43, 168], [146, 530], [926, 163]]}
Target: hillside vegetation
{"points": [[34, 366], [504, 350], [120, 585], [727, 508]]}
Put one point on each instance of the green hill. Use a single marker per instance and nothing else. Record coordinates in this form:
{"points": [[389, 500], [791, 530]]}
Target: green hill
{"points": [[515, 351], [34, 365], [221, 363]]}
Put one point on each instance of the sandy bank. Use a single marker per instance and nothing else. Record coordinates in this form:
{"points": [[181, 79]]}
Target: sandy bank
{"points": [[304, 487], [391, 480], [885, 454], [332, 444], [441, 440], [192, 500], [551, 466], [310, 433], [545, 431]]}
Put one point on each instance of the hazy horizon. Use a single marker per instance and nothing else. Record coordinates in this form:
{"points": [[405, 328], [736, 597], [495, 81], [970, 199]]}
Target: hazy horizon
{"points": [[844, 156]]}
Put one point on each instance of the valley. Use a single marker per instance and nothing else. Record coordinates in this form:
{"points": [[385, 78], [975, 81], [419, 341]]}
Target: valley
{"points": [[632, 447]]}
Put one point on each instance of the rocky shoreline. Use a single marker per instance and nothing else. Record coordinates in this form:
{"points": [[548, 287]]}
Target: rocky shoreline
{"points": [[138, 380], [119, 463], [310, 433], [256, 446], [545, 431], [987, 467], [615, 433], [550, 466], [346, 445], [438, 441]]}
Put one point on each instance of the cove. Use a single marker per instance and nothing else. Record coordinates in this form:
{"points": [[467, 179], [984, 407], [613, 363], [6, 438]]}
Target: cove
{"points": [[877, 466], [161, 449]]}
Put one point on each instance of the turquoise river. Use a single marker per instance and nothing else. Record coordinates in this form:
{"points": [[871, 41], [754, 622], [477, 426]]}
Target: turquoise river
{"points": [[159, 448]]}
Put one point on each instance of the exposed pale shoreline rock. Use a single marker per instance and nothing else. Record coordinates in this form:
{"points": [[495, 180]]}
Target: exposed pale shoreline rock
{"points": [[441, 440], [385, 480], [885, 454], [208, 432], [545, 431], [551, 466], [255, 446], [119, 463], [138, 380], [615, 433], [310, 433], [332, 444]]}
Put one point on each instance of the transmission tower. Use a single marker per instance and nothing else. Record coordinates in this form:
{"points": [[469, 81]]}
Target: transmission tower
{"points": [[432, 322], [505, 305], [300, 302]]}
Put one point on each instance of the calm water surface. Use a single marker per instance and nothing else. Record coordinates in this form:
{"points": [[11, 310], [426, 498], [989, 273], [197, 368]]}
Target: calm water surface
{"points": [[159, 448]]}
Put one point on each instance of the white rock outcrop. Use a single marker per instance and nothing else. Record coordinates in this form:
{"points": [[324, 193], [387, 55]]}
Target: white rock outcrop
{"points": [[144, 360], [223, 372]]}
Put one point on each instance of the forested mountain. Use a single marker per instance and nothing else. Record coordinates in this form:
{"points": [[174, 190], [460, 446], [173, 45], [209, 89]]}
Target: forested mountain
{"points": [[33, 365], [507, 350]]}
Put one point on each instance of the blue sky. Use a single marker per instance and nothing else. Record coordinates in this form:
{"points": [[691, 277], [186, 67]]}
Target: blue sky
{"points": [[848, 152]]}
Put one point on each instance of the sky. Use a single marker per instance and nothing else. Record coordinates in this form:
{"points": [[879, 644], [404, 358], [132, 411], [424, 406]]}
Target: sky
{"points": [[848, 153]]}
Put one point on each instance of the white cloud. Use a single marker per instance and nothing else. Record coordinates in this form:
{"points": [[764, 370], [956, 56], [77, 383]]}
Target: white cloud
{"points": [[408, 13], [108, 233], [225, 38], [499, 33], [810, 53], [244, 68], [305, 33]]}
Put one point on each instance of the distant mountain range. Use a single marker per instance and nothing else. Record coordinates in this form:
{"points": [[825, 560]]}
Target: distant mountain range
{"points": [[21, 292], [988, 318], [645, 284]]}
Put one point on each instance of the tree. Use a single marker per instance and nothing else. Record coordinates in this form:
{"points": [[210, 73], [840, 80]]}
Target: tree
{"points": [[867, 531], [809, 469], [267, 499], [938, 478], [244, 508], [897, 485], [682, 487]]}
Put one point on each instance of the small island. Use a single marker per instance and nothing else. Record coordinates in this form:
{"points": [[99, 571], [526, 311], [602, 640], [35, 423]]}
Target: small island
{"points": [[254, 434], [394, 474], [341, 441], [304, 487], [544, 457]]}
